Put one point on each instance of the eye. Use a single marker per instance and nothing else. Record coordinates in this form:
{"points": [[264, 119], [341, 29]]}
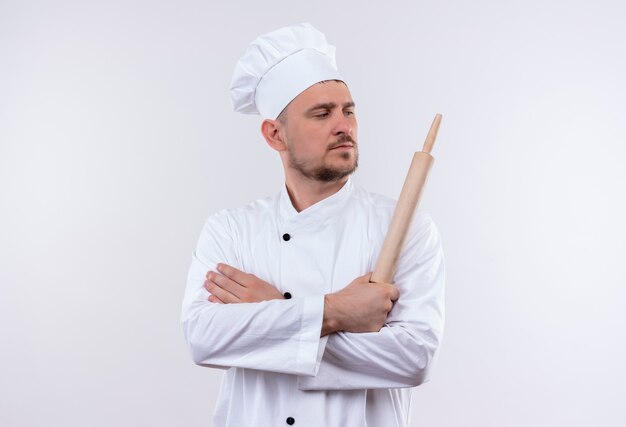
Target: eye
{"points": [[321, 114], [349, 112]]}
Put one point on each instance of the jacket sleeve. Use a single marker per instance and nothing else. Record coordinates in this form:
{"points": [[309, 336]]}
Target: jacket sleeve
{"points": [[279, 335], [401, 353]]}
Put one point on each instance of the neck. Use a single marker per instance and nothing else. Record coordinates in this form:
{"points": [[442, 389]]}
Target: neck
{"points": [[305, 192]]}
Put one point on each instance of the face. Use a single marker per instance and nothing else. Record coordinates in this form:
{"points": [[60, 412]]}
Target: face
{"points": [[320, 133]]}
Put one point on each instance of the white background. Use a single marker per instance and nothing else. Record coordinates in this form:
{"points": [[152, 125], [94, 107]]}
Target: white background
{"points": [[117, 140]]}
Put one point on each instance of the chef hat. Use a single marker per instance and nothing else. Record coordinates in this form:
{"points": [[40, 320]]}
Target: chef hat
{"points": [[278, 66]]}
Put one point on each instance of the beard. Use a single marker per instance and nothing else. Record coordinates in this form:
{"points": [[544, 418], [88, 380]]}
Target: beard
{"points": [[326, 173]]}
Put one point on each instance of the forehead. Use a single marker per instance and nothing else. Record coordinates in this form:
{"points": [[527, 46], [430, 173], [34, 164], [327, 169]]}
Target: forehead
{"points": [[322, 93]]}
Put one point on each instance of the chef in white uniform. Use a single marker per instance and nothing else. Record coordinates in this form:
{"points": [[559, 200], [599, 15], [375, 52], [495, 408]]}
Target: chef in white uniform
{"points": [[278, 292]]}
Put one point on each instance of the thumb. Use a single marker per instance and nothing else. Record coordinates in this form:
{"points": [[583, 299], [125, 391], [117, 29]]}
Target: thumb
{"points": [[366, 278]]}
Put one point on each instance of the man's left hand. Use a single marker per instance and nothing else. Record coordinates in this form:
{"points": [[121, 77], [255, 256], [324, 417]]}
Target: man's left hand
{"points": [[229, 285]]}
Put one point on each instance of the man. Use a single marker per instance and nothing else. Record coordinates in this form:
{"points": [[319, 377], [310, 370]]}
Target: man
{"points": [[278, 291]]}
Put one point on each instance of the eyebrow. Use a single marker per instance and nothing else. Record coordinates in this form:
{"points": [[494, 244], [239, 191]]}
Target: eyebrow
{"points": [[328, 106]]}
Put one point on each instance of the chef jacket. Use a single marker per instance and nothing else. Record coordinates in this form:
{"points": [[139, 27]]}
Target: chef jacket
{"points": [[278, 369]]}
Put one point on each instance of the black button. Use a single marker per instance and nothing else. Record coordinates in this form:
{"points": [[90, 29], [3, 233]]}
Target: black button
{"points": [[286, 237], [287, 295], [291, 421]]}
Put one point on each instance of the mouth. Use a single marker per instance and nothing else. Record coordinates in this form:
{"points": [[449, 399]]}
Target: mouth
{"points": [[344, 146]]}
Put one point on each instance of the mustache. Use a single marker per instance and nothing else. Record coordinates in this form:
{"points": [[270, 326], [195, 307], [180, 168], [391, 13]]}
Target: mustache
{"points": [[341, 141]]}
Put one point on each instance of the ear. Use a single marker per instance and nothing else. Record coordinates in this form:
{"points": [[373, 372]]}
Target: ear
{"points": [[273, 133]]}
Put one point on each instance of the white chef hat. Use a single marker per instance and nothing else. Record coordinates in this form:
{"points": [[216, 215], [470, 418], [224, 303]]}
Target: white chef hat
{"points": [[280, 65]]}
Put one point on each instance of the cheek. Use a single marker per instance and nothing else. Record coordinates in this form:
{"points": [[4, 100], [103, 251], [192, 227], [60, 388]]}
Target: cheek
{"points": [[313, 142], [299, 147]]}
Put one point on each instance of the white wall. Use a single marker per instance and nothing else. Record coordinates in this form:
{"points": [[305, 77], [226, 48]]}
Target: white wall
{"points": [[117, 140]]}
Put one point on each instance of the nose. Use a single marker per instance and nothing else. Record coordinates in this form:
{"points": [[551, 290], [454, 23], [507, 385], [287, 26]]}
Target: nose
{"points": [[344, 124]]}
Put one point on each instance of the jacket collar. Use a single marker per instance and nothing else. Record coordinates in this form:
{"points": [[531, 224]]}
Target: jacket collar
{"points": [[321, 210]]}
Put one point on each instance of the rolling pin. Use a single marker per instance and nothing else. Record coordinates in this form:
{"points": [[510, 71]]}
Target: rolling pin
{"points": [[407, 203]]}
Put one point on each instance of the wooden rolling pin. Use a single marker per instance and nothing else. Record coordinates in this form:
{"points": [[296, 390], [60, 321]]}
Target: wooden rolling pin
{"points": [[407, 203]]}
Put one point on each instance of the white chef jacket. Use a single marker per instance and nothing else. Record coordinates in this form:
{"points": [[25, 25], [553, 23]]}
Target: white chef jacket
{"points": [[279, 370]]}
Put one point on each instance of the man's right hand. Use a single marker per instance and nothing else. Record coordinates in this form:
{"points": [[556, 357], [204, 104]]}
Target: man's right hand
{"points": [[359, 307]]}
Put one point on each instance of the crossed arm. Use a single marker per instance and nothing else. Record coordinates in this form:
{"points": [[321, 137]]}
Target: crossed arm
{"points": [[359, 307], [223, 330]]}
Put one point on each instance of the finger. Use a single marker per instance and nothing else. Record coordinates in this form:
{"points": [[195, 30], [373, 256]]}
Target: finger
{"points": [[233, 273], [228, 285], [395, 293], [213, 298], [222, 294], [208, 282]]}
